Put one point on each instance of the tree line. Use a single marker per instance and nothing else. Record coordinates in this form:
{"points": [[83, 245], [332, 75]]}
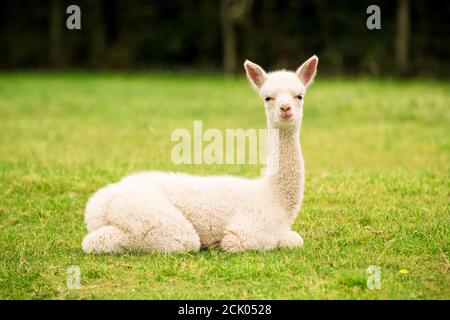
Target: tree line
{"points": [[219, 35]]}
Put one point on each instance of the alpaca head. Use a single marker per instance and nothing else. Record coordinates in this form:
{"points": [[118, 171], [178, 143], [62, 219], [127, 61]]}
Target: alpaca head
{"points": [[283, 92]]}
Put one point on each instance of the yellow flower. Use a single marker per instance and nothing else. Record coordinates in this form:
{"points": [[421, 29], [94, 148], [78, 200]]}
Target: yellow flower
{"points": [[404, 271]]}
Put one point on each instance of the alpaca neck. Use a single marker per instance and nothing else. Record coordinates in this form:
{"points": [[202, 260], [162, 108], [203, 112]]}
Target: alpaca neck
{"points": [[285, 168]]}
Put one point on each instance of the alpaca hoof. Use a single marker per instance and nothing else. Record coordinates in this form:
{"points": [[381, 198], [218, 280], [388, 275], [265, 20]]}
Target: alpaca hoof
{"points": [[291, 240], [191, 245], [104, 240], [231, 243]]}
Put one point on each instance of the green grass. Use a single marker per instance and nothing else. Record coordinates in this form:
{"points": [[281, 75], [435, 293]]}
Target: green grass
{"points": [[377, 188]]}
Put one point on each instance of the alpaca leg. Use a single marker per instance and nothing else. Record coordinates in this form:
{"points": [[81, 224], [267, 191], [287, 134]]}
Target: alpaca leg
{"points": [[232, 242], [291, 240], [108, 239], [237, 241], [245, 233], [174, 234], [255, 232], [152, 221], [96, 208], [243, 241]]}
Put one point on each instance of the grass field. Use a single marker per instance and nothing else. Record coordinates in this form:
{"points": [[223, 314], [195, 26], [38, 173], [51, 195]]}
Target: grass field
{"points": [[377, 188]]}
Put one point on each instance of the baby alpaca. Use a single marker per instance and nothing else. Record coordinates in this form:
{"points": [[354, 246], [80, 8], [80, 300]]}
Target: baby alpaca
{"points": [[168, 212]]}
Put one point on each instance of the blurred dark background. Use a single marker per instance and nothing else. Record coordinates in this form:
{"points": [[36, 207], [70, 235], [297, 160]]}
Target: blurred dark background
{"points": [[219, 35]]}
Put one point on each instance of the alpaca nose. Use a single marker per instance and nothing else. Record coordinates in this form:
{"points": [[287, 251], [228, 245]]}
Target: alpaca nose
{"points": [[285, 107]]}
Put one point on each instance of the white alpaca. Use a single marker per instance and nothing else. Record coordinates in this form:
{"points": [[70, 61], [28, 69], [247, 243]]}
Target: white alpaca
{"points": [[170, 212]]}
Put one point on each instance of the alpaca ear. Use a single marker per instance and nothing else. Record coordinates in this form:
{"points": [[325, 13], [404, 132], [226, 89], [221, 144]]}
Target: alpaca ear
{"points": [[307, 71], [256, 75]]}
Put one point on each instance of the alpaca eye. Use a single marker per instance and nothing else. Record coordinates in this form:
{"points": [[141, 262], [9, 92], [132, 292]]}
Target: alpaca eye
{"points": [[299, 97], [268, 99]]}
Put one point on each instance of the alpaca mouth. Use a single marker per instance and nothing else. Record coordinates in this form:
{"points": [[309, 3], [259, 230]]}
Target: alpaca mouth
{"points": [[286, 115]]}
